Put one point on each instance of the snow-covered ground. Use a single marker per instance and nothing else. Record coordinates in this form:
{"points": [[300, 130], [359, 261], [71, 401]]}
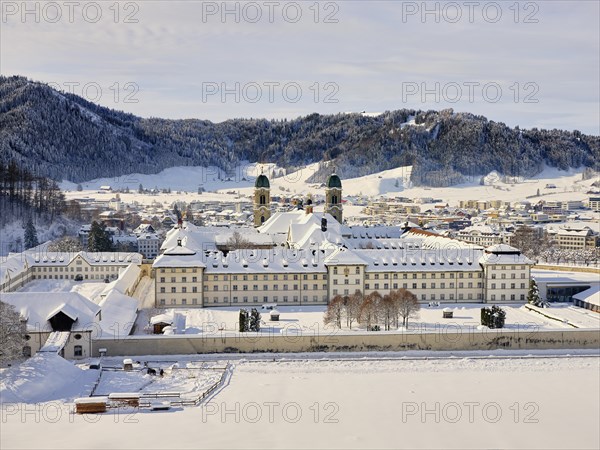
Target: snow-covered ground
{"points": [[460, 402], [308, 320], [389, 183], [578, 317]]}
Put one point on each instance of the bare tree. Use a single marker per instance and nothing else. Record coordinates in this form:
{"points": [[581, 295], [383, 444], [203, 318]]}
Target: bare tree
{"points": [[333, 314], [531, 241], [12, 332], [65, 244], [408, 305], [389, 309], [352, 307], [237, 241], [368, 313]]}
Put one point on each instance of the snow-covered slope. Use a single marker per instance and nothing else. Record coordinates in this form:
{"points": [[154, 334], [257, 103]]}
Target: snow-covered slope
{"points": [[393, 182]]}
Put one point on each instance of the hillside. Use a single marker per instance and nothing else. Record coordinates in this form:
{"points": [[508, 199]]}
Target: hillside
{"points": [[64, 137]]}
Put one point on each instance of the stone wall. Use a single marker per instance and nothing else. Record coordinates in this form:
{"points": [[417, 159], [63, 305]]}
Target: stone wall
{"points": [[449, 339]]}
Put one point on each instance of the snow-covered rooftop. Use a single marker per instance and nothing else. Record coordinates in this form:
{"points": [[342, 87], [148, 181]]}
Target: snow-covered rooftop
{"points": [[38, 307]]}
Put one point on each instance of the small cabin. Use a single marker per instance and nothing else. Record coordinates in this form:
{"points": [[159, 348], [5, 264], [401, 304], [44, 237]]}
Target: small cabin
{"points": [[160, 322], [127, 364], [274, 315], [447, 313]]}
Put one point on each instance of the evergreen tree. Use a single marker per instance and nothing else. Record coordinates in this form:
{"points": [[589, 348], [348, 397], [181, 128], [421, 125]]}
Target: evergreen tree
{"points": [[533, 296], [254, 324], [498, 316], [140, 189], [243, 320], [30, 238], [79, 188], [99, 240], [493, 317]]}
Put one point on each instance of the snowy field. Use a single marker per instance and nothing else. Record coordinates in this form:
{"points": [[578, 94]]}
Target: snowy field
{"points": [[389, 183], [365, 401], [308, 320]]}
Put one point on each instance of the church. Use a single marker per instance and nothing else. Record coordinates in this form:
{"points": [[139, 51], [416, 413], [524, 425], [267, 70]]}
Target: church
{"points": [[262, 199]]}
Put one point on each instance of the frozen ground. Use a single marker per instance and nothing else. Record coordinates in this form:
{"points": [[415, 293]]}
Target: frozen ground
{"points": [[309, 319], [462, 402]]}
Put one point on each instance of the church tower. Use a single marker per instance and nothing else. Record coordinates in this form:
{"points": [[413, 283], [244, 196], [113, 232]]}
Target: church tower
{"points": [[262, 200], [333, 197]]}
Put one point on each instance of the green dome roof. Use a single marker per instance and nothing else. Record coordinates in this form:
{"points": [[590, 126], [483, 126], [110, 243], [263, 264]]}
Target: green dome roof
{"points": [[262, 182], [334, 181]]}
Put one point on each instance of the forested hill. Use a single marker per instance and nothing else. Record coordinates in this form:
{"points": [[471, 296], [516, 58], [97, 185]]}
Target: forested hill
{"points": [[63, 136]]}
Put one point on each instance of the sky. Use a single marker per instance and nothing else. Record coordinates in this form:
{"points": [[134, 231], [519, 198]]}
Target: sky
{"points": [[531, 64]]}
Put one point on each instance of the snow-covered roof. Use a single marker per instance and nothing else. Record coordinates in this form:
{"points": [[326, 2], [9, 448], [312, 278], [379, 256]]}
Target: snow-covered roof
{"points": [[344, 256], [38, 307], [41, 258], [278, 260], [572, 232], [179, 250], [148, 236], [12, 266], [591, 295], [162, 318], [179, 257], [505, 258], [118, 314], [421, 260], [127, 278]]}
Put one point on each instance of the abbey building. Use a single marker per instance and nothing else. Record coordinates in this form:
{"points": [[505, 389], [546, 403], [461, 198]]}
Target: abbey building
{"points": [[304, 257]]}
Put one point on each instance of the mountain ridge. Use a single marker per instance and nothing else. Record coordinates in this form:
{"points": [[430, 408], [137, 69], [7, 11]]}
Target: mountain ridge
{"points": [[63, 136]]}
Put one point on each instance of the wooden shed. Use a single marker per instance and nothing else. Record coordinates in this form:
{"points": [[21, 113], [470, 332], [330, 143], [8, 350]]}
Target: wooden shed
{"points": [[91, 405], [447, 313], [127, 364]]}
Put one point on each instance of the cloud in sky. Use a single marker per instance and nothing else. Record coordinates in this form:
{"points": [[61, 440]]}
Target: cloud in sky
{"points": [[540, 69]]}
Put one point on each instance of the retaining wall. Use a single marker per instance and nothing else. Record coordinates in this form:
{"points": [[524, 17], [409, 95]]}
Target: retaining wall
{"points": [[381, 341]]}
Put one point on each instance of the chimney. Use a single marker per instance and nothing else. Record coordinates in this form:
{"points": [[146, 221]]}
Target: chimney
{"points": [[323, 224]]}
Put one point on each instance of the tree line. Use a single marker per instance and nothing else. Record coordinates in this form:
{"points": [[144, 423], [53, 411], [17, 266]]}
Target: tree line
{"points": [[25, 196], [373, 311]]}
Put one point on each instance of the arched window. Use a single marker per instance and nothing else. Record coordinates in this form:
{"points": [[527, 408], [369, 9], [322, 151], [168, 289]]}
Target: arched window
{"points": [[334, 199], [78, 350], [262, 219], [263, 200]]}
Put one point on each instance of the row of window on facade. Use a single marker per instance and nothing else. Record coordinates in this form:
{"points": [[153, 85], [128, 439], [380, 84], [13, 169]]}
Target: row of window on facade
{"points": [[246, 299], [72, 277], [255, 277], [72, 269], [461, 285], [77, 351], [245, 287]]}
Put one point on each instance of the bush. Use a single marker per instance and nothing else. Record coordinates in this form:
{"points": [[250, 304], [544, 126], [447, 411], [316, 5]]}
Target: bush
{"points": [[493, 317]]}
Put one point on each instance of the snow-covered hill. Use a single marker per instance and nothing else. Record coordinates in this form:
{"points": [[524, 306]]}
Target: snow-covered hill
{"points": [[390, 183]]}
